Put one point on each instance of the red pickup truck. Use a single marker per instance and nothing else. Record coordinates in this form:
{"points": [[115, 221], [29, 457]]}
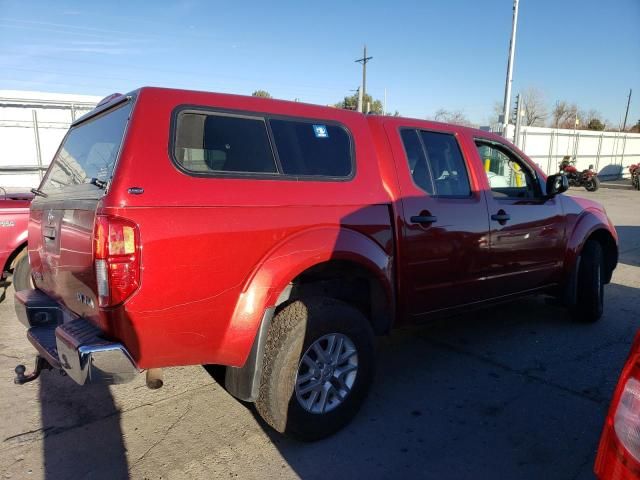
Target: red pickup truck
{"points": [[275, 239], [14, 217]]}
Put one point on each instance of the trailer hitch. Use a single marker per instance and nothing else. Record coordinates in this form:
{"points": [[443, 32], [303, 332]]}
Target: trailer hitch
{"points": [[22, 378]]}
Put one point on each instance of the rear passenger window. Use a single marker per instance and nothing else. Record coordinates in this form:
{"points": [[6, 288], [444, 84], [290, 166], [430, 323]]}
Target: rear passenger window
{"points": [[447, 166], [417, 160], [436, 163], [223, 143], [309, 148]]}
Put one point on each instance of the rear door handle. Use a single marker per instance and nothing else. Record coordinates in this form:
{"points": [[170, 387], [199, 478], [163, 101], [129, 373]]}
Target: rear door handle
{"points": [[422, 219], [501, 216]]}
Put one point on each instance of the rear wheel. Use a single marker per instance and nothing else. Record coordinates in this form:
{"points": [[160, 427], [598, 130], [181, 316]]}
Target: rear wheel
{"points": [[590, 288], [592, 184], [22, 272], [318, 367]]}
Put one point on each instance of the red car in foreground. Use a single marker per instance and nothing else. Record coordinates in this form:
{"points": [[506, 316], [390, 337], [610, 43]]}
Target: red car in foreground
{"points": [[619, 451], [14, 217], [275, 239]]}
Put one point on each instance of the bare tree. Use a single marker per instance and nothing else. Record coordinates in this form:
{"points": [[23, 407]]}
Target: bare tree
{"points": [[564, 115], [559, 113], [497, 112], [447, 116], [534, 106]]}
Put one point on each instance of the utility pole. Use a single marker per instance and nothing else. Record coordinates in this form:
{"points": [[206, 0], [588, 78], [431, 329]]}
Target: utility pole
{"points": [[384, 105], [363, 91], [626, 114], [519, 113], [507, 87]]}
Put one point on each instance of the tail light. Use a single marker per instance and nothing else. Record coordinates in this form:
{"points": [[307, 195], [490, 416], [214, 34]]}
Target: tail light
{"points": [[619, 451], [117, 259]]}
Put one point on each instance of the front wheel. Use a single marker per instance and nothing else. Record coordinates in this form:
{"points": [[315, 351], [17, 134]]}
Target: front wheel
{"points": [[318, 367], [590, 288], [592, 184]]}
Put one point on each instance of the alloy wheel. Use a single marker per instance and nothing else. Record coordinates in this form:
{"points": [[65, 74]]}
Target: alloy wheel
{"points": [[326, 373]]}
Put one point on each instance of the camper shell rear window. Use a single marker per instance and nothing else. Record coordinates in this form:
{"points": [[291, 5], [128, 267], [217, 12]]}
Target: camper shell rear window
{"points": [[85, 161]]}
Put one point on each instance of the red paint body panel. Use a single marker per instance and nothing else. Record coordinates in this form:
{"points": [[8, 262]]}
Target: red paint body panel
{"points": [[613, 461], [14, 217], [451, 252], [217, 252]]}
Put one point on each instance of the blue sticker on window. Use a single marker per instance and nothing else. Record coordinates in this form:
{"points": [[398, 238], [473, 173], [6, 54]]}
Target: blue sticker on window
{"points": [[321, 131]]}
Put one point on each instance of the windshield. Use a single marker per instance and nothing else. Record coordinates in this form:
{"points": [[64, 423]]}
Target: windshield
{"points": [[88, 153]]}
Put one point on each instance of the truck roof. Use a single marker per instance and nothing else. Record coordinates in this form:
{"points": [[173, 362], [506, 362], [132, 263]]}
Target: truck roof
{"points": [[310, 107]]}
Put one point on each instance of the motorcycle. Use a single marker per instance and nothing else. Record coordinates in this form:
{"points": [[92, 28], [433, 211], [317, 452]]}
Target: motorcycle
{"points": [[634, 170], [587, 178]]}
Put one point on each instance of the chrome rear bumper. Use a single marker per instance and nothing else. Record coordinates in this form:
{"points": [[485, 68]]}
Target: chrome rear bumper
{"points": [[72, 344]]}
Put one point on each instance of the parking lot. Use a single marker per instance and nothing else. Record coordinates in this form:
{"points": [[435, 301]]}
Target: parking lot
{"points": [[515, 391]]}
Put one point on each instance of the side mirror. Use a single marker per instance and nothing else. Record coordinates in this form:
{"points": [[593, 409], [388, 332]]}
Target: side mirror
{"points": [[556, 184]]}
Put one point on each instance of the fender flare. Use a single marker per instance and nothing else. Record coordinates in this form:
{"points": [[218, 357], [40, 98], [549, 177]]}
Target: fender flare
{"points": [[588, 223], [289, 259], [256, 304]]}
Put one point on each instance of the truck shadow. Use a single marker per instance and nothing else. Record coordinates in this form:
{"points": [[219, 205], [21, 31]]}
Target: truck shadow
{"points": [[82, 433], [514, 391], [4, 286], [629, 244]]}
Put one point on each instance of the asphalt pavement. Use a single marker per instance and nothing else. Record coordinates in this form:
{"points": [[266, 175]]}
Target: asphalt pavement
{"points": [[515, 391]]}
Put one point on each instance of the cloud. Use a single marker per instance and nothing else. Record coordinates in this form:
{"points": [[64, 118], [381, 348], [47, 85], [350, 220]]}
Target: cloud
{"points": [[98, 50], [101, 43], [74, 47]]}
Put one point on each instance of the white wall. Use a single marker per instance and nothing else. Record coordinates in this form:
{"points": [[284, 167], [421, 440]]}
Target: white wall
{"points": [[610, 153], [20, 165]]}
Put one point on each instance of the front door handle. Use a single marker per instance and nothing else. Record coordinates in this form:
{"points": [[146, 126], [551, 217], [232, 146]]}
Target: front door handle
{"points": [[502, 217], [422, 219]]}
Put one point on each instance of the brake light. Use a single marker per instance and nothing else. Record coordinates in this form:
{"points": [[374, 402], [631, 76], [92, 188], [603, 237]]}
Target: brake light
{"points": [[626, 422], [619, 451], [117, 259]]}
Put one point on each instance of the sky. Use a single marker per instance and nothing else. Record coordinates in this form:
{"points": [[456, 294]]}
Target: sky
{"points": [[427, 54]]}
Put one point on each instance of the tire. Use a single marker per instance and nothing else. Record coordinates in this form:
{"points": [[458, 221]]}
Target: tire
{"points": [[293, 332], [590, 287], [592, 184], [21, 279]]}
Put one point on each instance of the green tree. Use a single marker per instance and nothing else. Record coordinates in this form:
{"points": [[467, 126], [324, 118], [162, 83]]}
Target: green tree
{"points": [[595, 124], [261, 93], [351, 103]]}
